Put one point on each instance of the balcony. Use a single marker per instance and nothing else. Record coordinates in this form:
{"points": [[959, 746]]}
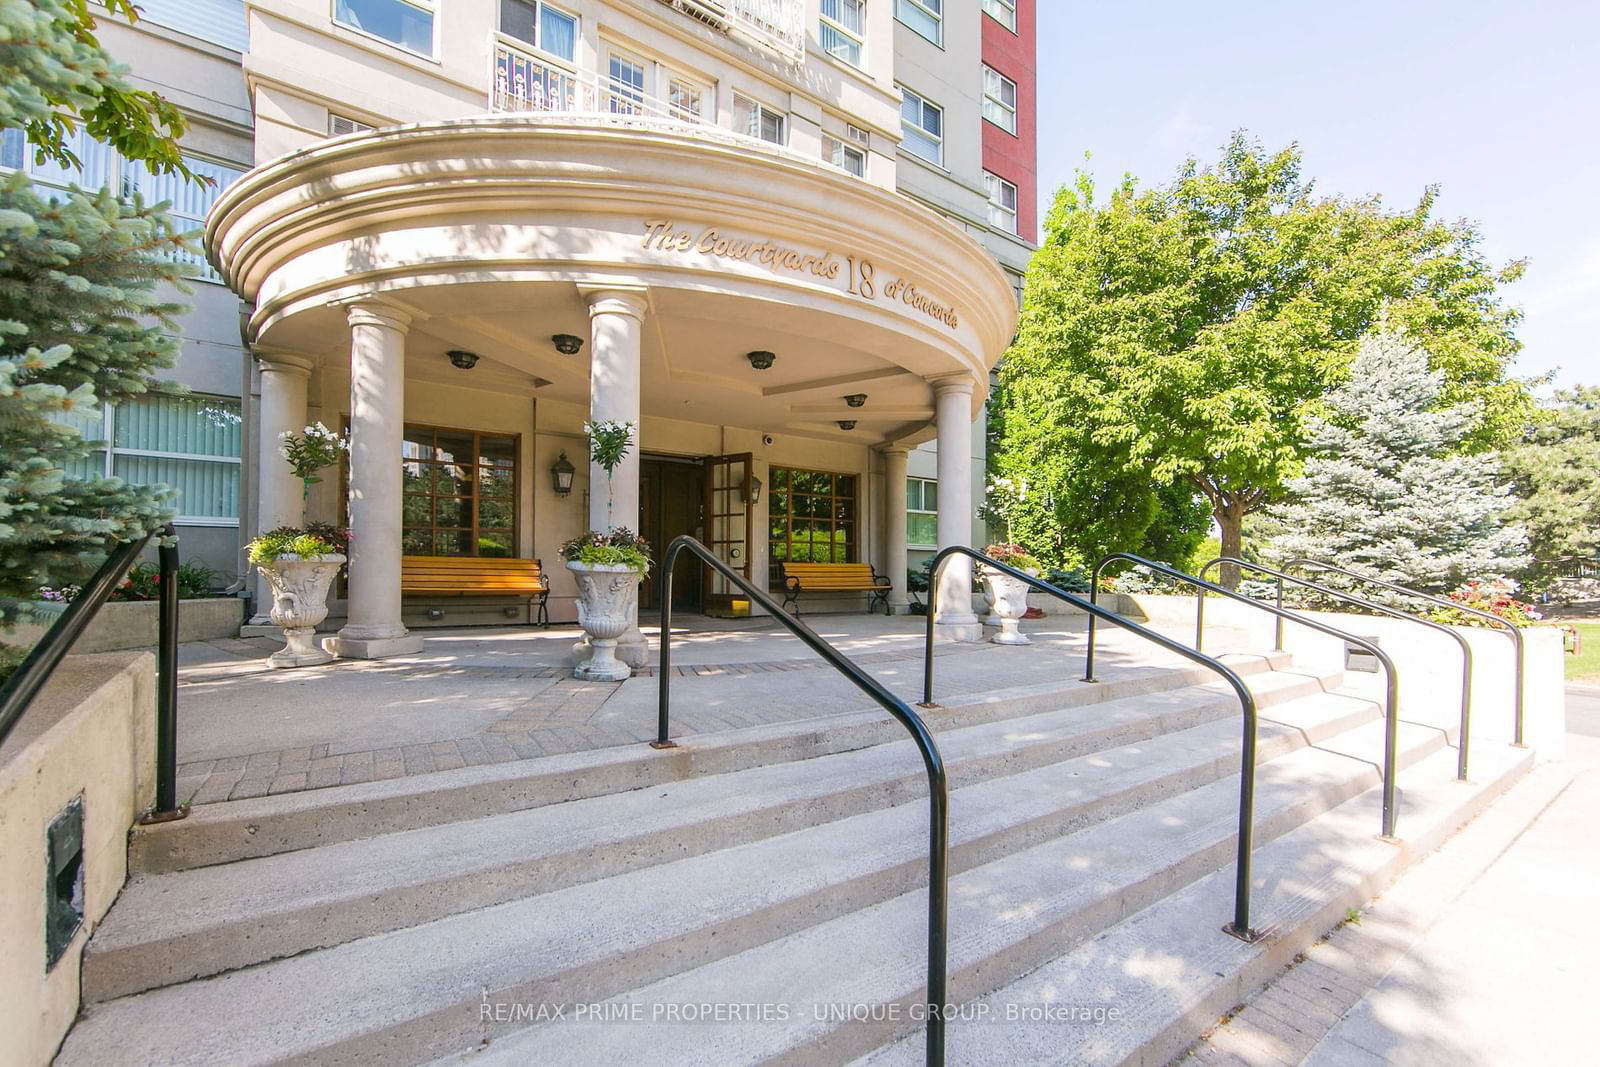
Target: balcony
{"points": [[775, 26], [523, 82]]}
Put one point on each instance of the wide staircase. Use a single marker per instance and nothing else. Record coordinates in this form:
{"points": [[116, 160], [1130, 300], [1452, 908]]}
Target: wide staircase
{"points": [[761, 895]]}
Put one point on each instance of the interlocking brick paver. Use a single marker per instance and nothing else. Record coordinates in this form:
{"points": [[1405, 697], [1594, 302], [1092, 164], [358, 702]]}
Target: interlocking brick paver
{"points": [[287, 783]]}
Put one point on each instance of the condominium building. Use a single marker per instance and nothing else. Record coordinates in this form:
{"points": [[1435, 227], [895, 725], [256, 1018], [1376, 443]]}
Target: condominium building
{"points": [[783, 238]]}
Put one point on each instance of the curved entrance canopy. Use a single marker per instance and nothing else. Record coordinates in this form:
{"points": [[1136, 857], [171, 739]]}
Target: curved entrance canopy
{"points": [[489, 232]]}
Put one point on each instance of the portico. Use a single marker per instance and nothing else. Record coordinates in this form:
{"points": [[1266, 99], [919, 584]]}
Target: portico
{"points": [[408, 283]]}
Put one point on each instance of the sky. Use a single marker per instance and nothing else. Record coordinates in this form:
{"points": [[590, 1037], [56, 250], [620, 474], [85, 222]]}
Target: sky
{"points": [[1497, 104]]}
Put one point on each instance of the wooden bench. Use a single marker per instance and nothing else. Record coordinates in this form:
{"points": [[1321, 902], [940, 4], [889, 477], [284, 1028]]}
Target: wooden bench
{"points": [[833, 578], [476, 576]]}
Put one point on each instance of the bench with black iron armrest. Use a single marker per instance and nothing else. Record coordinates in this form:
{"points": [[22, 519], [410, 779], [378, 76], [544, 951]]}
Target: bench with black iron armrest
{"points": [[477, 576], [834, 578]]}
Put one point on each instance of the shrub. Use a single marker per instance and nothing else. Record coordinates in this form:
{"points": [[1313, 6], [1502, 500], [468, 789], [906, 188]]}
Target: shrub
{"points": [[615, 547], [1496, 597], [316, 539]]}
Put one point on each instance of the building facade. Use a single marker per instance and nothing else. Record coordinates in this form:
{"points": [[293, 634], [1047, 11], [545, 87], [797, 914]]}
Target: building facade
{"points": [[774, 235]]}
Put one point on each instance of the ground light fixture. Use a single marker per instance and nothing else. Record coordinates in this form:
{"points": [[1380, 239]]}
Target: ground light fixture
{"points": [[561, 471], [856, 400], [567, 344], [462, 358], [760, 360]]}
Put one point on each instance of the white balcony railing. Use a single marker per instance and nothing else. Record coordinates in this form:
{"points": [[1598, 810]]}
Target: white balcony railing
{"points": [[778, 26], [523, 82]]}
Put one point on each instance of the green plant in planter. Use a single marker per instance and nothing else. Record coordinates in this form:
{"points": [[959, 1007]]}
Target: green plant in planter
{"points": [[615, 547], [307, 453], [1013, 556], [317, 539], [608, 446]]}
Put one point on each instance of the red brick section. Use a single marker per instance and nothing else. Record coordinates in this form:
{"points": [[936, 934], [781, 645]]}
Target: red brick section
{"points": [[1016, 159]]}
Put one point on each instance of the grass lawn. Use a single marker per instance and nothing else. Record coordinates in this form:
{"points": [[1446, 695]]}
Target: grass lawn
{"points": [[1586, 665]]}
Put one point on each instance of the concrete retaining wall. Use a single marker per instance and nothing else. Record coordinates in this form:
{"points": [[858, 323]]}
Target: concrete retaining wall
{"points": [[122, 624], [91, 733]]}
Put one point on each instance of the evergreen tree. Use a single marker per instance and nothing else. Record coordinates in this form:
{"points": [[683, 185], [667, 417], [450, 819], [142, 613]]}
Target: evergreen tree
{"points": [[1386, 488], [84, 313], [1555, 473]]}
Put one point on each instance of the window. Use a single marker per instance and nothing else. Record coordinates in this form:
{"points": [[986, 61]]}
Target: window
{"points": [[626, 85], [400, 22], [841, 30], [540, 25], [921, 127], [922, 512], [1000, 100], [758, 120], [812, 517], [1002, 11], [1002, 202], [339, 125], [851, 155], [189, 442], [686, 99], [924, 16], [460, 493]]}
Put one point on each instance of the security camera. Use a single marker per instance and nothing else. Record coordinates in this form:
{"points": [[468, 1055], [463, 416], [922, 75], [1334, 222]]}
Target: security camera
{"points": [[766, 439]]}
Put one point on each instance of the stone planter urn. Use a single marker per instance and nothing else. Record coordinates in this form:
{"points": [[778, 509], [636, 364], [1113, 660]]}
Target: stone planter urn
{"points": [[1009, 599], [299, 603], [608, 599]]}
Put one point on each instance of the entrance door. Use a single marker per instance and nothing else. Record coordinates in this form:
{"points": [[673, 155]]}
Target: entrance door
{"points": [[729, 519], [671, 499]]}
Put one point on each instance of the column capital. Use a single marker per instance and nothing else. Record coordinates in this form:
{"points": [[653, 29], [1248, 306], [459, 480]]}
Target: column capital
{"points": [[280, 362], [375, 311], [957, 384], [633, 301], [895, 450]]}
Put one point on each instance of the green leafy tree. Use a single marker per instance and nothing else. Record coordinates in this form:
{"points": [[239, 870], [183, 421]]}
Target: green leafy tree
{"points": [[1555, 473], [1387, 488], [85, 313], [1186, 334]]}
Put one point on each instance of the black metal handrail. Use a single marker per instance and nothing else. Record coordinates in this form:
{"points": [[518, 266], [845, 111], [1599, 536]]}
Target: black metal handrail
{"points": [[1240, 927], [933, 763], [19, 691], [1370, 605], [1391, 738], [1512, 629]]}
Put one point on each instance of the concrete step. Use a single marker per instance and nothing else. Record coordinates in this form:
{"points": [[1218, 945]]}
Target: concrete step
{"points": [[172, 927], [421, 992], [1139, 993], [851, 983], [264, 826]]}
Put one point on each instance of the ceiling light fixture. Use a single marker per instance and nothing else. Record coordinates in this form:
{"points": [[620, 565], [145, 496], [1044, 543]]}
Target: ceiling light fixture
{"points": [[760, 360], [847, 424], [463, 359], [855, 400], [567, 344]]}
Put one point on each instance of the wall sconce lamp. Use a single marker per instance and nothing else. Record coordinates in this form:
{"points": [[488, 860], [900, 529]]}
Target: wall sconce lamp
{"points": [[464, 360], [562, 471], [847, 424], [856, 400], [567, 344], [755, 491], [760, 360]]}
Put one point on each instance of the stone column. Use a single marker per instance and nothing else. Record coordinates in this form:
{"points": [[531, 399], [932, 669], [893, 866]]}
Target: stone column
{"points": [[280, 496], [616, 319], [894, 521], [955, 620], [373, 628]]}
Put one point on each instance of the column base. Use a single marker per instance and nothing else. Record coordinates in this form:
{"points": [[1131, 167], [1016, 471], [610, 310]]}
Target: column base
{"points": [[633, 648], [356, 646], [957, 628]]}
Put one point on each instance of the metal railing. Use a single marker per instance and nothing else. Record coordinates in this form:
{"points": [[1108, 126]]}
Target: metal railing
{"points": [[1240, 927], [524, 82], [1391, 736], [775, 25], [1514, 631], [30, 677], [1370, 605], [933, 763]]}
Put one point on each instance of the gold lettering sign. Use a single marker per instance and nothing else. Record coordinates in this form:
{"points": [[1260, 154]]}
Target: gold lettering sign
{"points": [[860, 275]]}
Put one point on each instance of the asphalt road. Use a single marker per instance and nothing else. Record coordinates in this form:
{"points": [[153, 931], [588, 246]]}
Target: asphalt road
{"points": [[1583, 710]]}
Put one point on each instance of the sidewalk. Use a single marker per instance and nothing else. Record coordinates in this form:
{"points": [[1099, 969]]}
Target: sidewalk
{"points": [[1485, 955]]}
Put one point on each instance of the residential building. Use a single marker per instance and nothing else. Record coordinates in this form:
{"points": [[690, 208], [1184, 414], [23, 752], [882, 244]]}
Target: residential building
{"points": [[760, 230]]}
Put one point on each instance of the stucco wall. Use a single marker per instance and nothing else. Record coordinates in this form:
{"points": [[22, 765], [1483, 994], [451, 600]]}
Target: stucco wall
{"points": [[90, 733]]}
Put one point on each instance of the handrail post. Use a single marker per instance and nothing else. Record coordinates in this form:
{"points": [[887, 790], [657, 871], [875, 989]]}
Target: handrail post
{"points": [[167, 682], [1199, 618], [927, 643], [1278, 635], [1094, 598], [664, 667]]}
